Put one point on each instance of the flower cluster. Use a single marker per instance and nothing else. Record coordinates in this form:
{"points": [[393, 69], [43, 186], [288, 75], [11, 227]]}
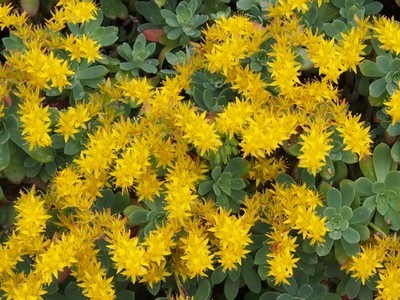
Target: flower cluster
{"points": [[129, 158]]}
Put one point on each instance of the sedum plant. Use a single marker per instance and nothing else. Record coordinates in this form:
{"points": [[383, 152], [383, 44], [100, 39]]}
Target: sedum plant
{"points": [[239, 171], [347, 225], [138, 57], [379, 188], [183, 24]]}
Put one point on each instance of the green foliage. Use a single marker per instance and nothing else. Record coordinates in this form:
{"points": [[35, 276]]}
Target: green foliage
{"points": [[360, 199], [226, 186], [138, 57], [379, 189], [182, 25], [346, 223], [386, 72]]}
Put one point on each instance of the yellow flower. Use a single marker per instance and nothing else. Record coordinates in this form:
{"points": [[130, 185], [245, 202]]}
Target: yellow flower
{"points": [[60, 254], [284, 69], [197, 255], [91, 277], [147, 186], [393, 106], [286, 7], [31, 214], [233, 237], [22, 286], [266, 169], [352, 46], [315, 147], [72, 11], [197, 129], [155, 273], [234, 116], [387, 33], [281, 260], [36, 122], [96, 159], [325, 54], [128, 256], [265, 132], [309, 224], [365, 264], [8, 19], [355, 135], [130, 166], [158, 244], [388, 284], [71, 120], [82, 47], [137, 90]]}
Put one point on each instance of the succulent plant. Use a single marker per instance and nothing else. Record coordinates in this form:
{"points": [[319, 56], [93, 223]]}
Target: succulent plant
{"points": [[379, 189], [347, 225], [138, 57], [226, 186], [184, 22]]}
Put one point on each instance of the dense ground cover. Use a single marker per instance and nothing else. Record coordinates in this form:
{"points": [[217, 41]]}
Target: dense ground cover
{"points": [[199, 149]]}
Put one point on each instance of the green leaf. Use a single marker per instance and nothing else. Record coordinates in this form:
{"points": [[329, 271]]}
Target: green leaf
{"points": [[251, 279], [236, 166], [92, 72], [392, 218], [269, 295], [56, 296], [367, 168], [238, 195], [305, 291], [203, 290], [237, 184], [155, 289], [348, 193], [218, 275], [395, 151], [324, 248], [351, 235], [106, 200], [362, 230], [377, 88], [174, 34], [15, 171], [148, 68], [231, 288], [114, 9], [370, 69], [382, 161], [216, 172], [261, 256], [334, 198], [360, 215], [4, 156], [205, 187], [353, 288], [334, 28], [74, 292], [125, 295], [216, 190], [363, 186], [346, 212], [392, 180], [285, 179], [137, 217], [72, 147], [120, 203], [234, 274], [373, 8]]}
